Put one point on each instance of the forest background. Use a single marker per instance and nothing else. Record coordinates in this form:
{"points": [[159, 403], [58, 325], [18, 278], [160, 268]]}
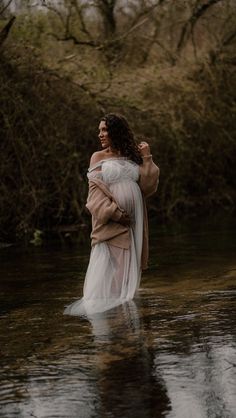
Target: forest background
{"points": [[167, 65]]}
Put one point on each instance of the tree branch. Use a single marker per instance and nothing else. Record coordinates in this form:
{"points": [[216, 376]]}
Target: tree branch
{"points": [[5, 7], [5, 31], [76, 41], [188, 28], [79, 11]]}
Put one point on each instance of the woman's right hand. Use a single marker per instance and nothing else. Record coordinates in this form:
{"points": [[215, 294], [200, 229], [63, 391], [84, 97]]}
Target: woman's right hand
{"points": [[144, 149], [125, 219]]}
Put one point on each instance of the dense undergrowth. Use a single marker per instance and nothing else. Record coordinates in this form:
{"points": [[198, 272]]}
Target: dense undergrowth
{"points": [[48, 130]]}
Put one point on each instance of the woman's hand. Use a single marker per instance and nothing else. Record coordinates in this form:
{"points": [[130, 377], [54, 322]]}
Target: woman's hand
{"points": [[125, 219], [144, 149]]}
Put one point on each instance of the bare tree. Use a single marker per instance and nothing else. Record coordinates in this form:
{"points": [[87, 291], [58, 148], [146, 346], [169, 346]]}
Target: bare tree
{"points": [[107, 9], [111, 38], [199, 10]]}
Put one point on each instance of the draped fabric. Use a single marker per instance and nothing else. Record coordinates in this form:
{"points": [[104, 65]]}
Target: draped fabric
{"points": [[113, 273]]}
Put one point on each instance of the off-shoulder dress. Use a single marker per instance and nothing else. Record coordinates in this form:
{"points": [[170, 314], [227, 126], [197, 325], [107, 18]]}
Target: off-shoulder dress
{"points": [[114, 273]]}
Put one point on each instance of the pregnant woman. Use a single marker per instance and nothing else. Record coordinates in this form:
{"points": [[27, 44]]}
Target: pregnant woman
{"points": [[120, 176]]}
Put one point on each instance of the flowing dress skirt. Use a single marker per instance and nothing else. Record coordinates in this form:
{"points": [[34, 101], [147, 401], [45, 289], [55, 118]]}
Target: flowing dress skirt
{"points": [[114, 273]]}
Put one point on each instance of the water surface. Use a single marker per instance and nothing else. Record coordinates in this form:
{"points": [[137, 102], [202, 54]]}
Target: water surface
{"points": [[169, 353]]}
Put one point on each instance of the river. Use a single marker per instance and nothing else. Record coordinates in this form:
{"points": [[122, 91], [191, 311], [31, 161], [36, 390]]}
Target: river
{"points": [[169, 353]]}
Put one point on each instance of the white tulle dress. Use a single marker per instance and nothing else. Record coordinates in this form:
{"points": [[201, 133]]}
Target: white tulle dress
{"points": [[114, 273]]}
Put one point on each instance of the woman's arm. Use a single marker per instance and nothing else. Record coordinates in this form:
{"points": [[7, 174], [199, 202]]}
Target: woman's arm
{"points": [[104, 208], [149, 171]]}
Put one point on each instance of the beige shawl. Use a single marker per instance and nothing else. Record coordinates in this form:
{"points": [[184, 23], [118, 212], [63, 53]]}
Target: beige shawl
{"points": [[106, 212]]}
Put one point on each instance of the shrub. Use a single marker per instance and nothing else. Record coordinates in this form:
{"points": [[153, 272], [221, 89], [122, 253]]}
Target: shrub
{"points": [[46, 130]]}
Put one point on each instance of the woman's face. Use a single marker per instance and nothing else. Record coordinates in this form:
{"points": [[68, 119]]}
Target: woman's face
{"points": [[103, 135]]}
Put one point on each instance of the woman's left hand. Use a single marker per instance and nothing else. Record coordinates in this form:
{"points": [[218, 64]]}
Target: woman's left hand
{"points": [[144, 148], [125, 219]]}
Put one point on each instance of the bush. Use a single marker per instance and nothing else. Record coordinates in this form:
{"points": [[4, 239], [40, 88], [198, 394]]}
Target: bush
{"points": [[46, 129]]}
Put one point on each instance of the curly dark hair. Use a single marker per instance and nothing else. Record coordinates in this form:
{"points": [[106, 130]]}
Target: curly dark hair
{"points": [[122, 137]]}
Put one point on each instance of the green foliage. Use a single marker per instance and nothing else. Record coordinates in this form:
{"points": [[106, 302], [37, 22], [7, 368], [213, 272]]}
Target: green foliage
{"points": [[37, 238]]}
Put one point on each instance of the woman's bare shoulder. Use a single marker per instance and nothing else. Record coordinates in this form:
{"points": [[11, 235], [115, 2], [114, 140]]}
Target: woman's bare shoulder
{"points": [[96, 157]]}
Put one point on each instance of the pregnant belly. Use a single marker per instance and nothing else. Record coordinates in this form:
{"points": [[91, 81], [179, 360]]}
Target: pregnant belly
{"points": [[126, 193]]}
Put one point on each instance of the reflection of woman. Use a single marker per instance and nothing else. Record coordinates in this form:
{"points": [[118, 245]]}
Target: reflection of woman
{"points": [[128, 378], [120, 176]]}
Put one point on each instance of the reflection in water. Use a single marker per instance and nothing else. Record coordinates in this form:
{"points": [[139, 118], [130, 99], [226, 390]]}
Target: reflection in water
{"points": [[126, 366], [170, 353], [200, 384], [113, 322]]}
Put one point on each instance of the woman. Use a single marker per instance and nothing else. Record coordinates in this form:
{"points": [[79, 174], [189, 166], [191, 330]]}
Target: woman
{"points": [[120, 176]]}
